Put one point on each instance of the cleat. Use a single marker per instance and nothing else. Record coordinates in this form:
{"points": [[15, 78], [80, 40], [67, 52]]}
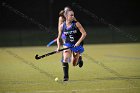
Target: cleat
{"points": [[66, 79], [80, 62]]}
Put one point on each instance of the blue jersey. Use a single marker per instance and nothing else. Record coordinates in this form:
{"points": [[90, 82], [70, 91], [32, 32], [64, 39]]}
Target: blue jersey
{"points": [[72, 33]]}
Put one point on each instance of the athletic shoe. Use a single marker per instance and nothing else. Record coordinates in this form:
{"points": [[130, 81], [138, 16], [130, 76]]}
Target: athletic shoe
{"points": [[80, 62], [66, 79]]}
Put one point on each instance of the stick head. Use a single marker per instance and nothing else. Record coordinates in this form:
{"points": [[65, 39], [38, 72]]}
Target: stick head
{"points": [[37, 57]]}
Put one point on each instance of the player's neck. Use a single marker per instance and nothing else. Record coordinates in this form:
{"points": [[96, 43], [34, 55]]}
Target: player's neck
{"points": [[68, 23]]}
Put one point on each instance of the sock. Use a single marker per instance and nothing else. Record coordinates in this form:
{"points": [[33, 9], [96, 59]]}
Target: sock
{"points": [[66, 70], [80, 58]]}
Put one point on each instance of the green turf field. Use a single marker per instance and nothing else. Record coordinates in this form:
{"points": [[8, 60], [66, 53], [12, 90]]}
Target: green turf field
{"points": [[110, 68]]}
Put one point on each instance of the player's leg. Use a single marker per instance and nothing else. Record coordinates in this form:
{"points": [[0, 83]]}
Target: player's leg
{"points": [[66, 56], [78, 51], [75, 57], [80, 61]]}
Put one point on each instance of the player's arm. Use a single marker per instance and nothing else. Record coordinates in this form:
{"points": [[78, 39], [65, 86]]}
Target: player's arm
{"points": [[59, 36], [82, 30], [60, 21]]}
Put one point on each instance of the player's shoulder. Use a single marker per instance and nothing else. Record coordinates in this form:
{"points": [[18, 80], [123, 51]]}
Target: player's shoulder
{"points": [[61, 19], [61, 25], [78, 24], [75, 22]]}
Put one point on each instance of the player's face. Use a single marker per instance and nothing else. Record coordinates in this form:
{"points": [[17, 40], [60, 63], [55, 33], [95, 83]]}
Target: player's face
{"points": [[70, 16]]}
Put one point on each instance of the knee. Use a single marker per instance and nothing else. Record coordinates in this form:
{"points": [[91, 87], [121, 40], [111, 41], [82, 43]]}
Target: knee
{"points": [[66, 56], [66, 59]]}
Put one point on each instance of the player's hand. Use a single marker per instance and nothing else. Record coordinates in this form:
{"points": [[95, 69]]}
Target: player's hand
{"points": [[76, 45], [57, 50]]}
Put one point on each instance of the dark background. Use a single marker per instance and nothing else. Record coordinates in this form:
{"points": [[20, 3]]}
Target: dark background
{"points": [[16, 30]]}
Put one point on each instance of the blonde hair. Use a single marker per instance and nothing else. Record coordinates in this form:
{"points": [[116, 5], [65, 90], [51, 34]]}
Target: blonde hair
{"points": [[67, 8], [61, 13]]}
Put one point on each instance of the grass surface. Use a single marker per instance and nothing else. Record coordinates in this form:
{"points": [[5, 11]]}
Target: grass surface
{"points": [[110, 68]]}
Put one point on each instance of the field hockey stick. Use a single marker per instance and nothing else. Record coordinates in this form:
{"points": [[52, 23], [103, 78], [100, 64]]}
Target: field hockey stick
{"points": [[50, 53]]}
